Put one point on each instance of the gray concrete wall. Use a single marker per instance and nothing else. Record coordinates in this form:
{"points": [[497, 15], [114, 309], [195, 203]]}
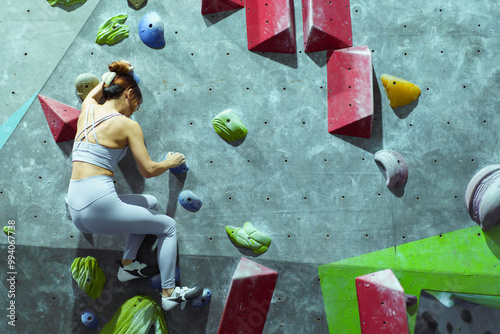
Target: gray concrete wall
{"points": [[320, 197]]}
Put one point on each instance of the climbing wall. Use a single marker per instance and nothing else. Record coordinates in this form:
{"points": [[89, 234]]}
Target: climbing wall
{"points": [[320, 197]]}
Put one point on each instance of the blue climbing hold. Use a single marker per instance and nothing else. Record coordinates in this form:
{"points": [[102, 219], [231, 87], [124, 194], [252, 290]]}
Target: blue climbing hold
{"points": [[151, 30], [180, 169], [136, 78], [202, 299], [190, 201], [155, 281], [89, 319]]}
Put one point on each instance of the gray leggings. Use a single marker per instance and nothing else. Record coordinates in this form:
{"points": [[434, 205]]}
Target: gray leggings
{"points": [[95, 207]]}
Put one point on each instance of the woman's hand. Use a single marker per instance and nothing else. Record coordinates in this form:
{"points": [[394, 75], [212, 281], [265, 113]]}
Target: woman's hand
{"points": [[175, 159]]}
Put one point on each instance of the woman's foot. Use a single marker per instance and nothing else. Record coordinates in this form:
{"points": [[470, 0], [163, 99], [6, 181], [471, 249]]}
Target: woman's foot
{"points": [[179, 295], [135, 270]]}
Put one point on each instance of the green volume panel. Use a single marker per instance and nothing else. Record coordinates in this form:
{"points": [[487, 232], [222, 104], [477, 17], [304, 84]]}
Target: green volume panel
{"points": [[464, 261], [88, 275], [67, 3], [229, 126], [137, 315], [113, 30]]}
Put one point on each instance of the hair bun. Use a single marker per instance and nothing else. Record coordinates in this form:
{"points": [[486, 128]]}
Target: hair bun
{"points": [[119, 67]]}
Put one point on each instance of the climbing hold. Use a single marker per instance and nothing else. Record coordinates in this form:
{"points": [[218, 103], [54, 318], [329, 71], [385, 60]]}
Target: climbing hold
{"points": [[249, 237], [215, 6], [137, 315], [88, 275], [8, 230], [84, 83], [270, 26], [180, 169], [326, 25], [155, 281], [151, 30], [136, 78], [350, 91], [89, 319], [190, 201], [183, 168], [113, 30], [229, 126], [202, 299], [62, 119], [400, 92], [411, 300], [136, 3], [67, 3], [482, 197], [394, 167], [381, 303], [249, 298]]}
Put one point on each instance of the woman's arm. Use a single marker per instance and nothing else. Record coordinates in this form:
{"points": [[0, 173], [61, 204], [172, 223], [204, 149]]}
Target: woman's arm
{"points": [[94, 96], [147, 167]]}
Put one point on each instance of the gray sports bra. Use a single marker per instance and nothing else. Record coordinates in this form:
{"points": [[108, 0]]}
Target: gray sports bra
{"points": [[94, 153]]}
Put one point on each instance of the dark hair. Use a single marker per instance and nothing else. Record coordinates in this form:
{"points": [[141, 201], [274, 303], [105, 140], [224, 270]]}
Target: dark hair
{"points": [[121, 83]]}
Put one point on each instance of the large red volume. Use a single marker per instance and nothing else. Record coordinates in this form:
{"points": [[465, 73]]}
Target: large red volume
{"points": [[270, 26], [62, 119], [350, 92], [327, 25], [249, 299], [381, 303], [215, 6]]}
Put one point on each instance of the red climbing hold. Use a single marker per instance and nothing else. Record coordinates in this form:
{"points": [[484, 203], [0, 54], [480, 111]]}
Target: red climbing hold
{"points": [[62, 119], [350, 92], [215, 6], [249, 299], [327, 25], [270, 26], [381, 303]]}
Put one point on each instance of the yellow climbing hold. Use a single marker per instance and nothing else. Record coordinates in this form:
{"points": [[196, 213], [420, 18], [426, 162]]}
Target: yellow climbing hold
{"points": [[400, 92]]}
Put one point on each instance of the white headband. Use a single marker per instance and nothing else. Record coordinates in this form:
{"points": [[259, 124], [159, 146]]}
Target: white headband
{"points": [[108, 77]]}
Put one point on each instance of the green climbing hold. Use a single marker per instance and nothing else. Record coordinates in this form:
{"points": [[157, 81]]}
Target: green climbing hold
{"points": [[8, 230], [67, 3], [229, 126], [88, 275], [113, 30], [249, 237], [137, 315]]}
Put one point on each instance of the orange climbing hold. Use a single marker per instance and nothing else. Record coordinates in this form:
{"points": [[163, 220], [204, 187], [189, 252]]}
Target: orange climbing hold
{"points": [[400, 92]]}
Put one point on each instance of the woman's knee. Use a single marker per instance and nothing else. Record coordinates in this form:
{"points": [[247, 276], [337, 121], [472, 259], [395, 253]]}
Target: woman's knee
{"points": [[152, 202]]}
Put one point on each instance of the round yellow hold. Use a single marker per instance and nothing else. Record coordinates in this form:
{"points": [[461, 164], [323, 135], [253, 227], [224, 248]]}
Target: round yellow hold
{"points": [[400, 92]]}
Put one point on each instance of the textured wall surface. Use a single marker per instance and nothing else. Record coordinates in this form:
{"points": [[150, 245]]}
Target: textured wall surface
{"points": [[320, 197]]}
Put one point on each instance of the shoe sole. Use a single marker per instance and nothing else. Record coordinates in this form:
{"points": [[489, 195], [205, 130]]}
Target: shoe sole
{"points": [[194, 293]]}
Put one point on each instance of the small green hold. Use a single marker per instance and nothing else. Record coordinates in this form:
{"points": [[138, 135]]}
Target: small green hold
{"points": [[67, 3], [137, 315], [229, 126], [8, 230], [88, 275], [136, 3], [249, 237], [113, 30]]}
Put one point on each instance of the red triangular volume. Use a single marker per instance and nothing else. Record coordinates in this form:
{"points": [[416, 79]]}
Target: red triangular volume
{"points": [[62, 119], [249, 298], [350, 92], [381, 303], [215, 6], [270, 26], [327, 25]]}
